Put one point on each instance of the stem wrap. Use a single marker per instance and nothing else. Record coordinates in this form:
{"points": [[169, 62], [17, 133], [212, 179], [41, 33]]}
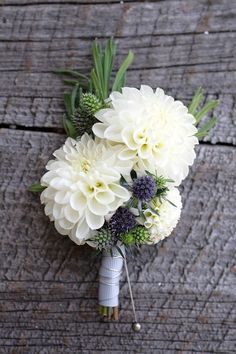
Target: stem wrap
{"points": [[109, 277]]}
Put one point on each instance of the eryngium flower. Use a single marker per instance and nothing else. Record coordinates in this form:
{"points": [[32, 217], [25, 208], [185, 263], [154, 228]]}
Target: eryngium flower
{"points": [[139, 235], [122, 221], [83, 186], [103, 239], [162, 223], [156, 131], [144, 188], [90, 103], [83, 118]]}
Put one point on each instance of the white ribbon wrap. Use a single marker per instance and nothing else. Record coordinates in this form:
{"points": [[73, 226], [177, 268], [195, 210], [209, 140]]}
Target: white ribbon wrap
{"points": [[109, 277]]}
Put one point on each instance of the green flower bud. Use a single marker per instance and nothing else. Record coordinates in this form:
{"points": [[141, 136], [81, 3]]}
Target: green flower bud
{"points": [[127, 239], [139, 235], [89, 103], [103, 239], [83, 122], [83, 118]]}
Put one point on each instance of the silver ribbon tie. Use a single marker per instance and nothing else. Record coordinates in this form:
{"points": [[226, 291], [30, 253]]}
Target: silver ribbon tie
{"points": [[109, 277]]}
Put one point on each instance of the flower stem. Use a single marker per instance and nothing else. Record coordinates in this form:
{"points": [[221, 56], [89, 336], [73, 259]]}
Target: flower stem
{"points": [[110, 312]]}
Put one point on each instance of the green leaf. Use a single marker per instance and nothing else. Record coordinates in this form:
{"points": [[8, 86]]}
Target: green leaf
{"points": [[97, 85], [76, 82], [81, 79], [205, 109], [123, 182], [120, 76], [73, 73], [67, 102], [70, 82], [108, 59], [196, 100], [120, 251], [97, 72], [36, 188], [169, 202], [133, 174], [206, 128], [73, 97], [69, 128]]}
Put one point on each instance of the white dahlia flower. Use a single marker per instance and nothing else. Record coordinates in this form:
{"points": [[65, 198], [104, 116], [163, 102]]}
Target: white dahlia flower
{"points": [[162, 223], [83, 186], [157, 132]]}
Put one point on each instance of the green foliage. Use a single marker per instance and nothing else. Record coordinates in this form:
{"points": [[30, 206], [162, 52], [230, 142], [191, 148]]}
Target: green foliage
{"points": [[99, 83], [36, 188], [89, 103], [127, 239], [102, 239], [79, 79], [103, 64], [121, 74], [83, 117], [70, 101], [161, 183], [196, 100], [139, 235], [206, 128], [200, 113], [69, 127]]}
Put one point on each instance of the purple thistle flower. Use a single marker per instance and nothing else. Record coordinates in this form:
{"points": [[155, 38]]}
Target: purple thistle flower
{"points": [[144, 188], [122, 221]]}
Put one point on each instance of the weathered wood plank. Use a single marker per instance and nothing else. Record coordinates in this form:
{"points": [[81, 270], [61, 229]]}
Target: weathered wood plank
{"points": [[35, 100], [184, 288], [69, 2], [151, 52], [36, 22], [60, 35]]}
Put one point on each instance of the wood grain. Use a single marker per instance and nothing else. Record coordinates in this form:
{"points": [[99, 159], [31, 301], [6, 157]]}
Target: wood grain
{"points": [[179, 54], [184, 288]]}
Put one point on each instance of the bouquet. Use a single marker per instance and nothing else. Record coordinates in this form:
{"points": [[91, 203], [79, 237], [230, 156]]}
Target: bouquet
{"points": [[114, 182]]}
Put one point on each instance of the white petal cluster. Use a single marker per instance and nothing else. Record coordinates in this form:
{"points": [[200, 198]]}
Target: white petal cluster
{"points": [[162, 223], [83, 186], [156, 132]]}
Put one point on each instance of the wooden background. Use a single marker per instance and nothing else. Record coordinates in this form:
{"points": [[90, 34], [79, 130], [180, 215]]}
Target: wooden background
{"points": [[184, 288]]}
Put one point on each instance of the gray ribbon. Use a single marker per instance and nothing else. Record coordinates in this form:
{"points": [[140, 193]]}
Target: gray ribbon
{"points": [[109, 277]]}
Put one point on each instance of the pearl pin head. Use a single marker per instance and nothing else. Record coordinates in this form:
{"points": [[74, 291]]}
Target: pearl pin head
{"points": [[136, 326]]}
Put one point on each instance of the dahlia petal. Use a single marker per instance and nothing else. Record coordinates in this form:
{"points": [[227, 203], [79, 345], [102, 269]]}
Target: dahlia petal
{"points": [[47, 194], [60, 229], [61, 197], [113, 133], [79, 239], [47, 177], [127, 135], [48, 208], [82, 229], [127, 154], [99, 129], [146, 90], [65, 224], [101, 114], [97, 208], [57, 211], [119, 191], [59, 183], [78, 201], [94, 221], [105, 197], [144, 151], [71, 215]]}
